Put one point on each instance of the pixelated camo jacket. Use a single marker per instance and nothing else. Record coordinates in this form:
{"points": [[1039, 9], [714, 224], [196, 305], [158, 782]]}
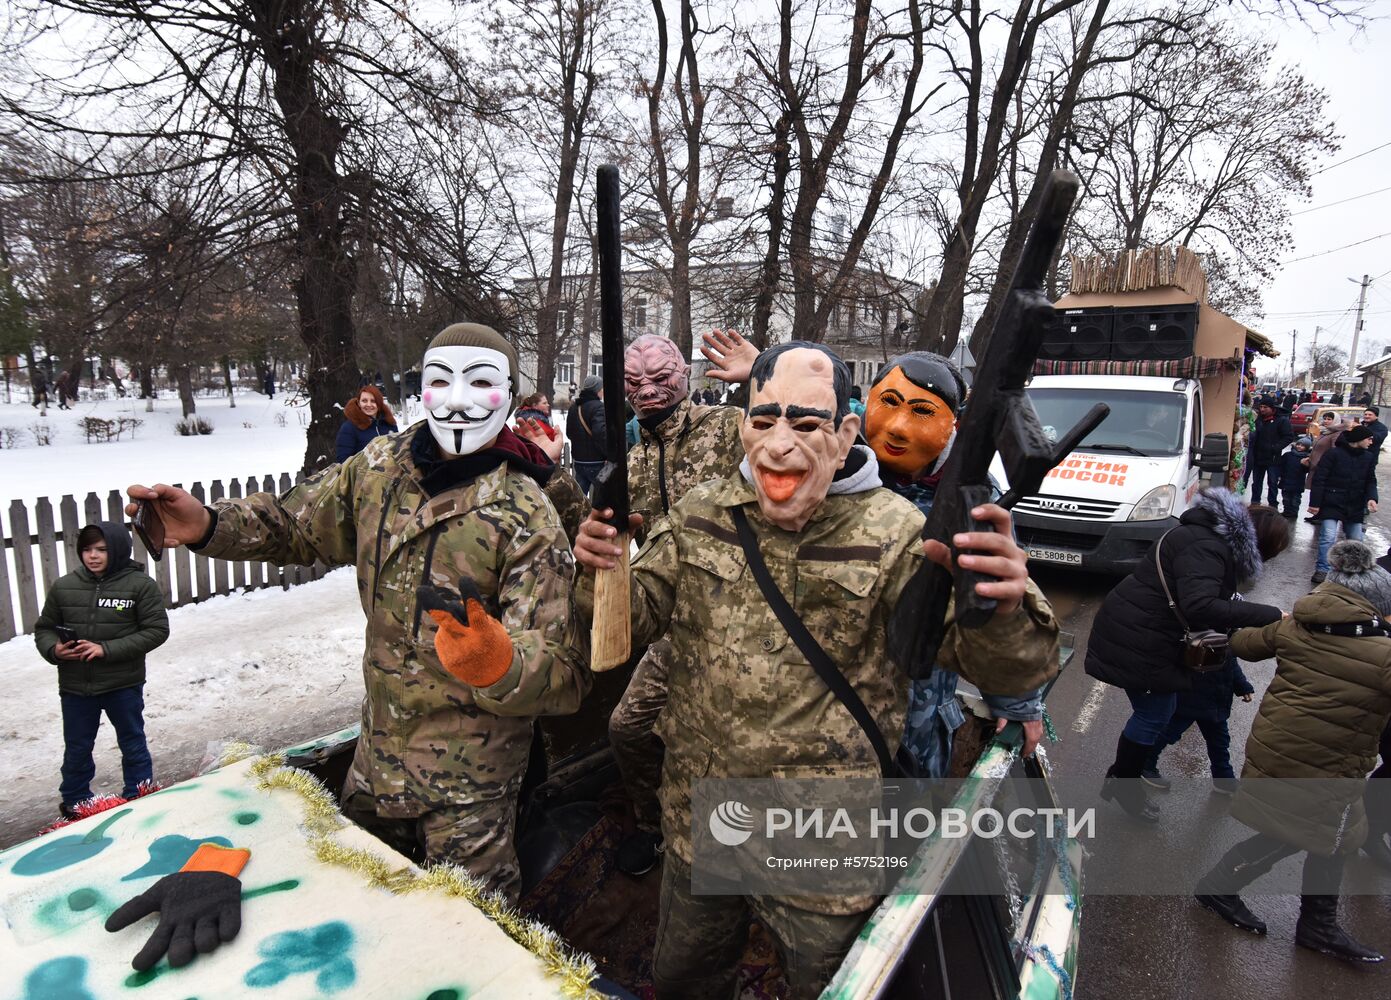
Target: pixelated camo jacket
{"points": [[428, 738], [744, 702], [694, 444]]}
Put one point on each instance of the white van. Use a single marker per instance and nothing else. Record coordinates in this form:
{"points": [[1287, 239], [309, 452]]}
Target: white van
{"points": [[1128, 481]]}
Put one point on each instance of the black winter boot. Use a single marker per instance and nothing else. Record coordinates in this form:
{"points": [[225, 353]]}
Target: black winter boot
{"points": [[1123, 785], [1318, 930], [1232, 910], [1238, 868], [1376, 849]]}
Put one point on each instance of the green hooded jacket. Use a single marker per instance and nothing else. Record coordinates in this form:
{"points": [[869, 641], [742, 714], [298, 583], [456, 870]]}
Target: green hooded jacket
{"points": [[1315, 736], [122, 609]]}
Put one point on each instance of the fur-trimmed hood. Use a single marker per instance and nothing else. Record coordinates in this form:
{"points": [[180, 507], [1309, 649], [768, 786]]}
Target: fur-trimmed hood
{"points": [[1227, 515], [352, 411]]}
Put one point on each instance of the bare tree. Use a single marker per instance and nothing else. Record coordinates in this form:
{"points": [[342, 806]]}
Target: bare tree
{"points": [[1326, 361], [1107, 36], [820, 128], [987, 110], [1203, 145], [554, 58], [277, 100]]}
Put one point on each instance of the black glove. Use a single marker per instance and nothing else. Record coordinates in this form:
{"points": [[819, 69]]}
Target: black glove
{"points": [[197, 910], [432, 598]]}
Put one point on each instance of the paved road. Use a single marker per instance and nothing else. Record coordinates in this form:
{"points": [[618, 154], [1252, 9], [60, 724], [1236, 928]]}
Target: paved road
{"points": [[1167, 947]]}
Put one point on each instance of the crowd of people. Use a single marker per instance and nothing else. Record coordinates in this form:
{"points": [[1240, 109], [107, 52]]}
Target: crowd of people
{"points": [[478, 588], [477, 559], [1338, 471], [1171, 635]]}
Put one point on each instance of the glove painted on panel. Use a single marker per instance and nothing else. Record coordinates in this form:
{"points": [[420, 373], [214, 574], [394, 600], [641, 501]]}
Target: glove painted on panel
{"points": [[199, 908]]}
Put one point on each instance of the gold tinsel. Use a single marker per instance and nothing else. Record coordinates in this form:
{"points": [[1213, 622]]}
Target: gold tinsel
{"points": [[575, 971], [234, 752]]}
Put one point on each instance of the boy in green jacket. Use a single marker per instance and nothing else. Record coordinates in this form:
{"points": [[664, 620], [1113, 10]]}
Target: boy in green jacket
{"points": [[117, 615]]}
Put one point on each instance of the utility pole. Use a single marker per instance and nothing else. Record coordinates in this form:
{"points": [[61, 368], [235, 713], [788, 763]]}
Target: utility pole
{"points": [[1294, 354], [1313, 360], [1357, 331]]}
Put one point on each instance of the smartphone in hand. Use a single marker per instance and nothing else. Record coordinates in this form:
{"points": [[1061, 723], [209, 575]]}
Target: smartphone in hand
{"points": [[150, 528], [65, 634]]}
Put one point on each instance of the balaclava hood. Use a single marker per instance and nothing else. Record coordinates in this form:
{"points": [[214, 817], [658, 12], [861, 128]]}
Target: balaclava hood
{"points": [[469, 386]]}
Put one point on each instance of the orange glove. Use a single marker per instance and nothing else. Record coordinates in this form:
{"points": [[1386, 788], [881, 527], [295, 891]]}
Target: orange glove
{"points": [[472, 644]]}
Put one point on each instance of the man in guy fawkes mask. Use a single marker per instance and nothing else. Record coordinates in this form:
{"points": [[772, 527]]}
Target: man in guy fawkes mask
{"points": [[910, 422], [465, 576], [744, 701]]}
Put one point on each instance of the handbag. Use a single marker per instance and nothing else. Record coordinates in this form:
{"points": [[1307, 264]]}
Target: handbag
{"points": [[1205, 650]]}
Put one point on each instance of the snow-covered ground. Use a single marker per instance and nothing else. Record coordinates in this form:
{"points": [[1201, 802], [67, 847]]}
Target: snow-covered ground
{"points": [[261, 436], [272, 667]]}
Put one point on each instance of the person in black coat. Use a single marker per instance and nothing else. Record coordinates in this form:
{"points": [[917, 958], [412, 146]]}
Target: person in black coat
{"points": [[38, 384], [1209, 705], [1344, 491], [585, 428], [1136, 642], [1371, 419], [1294, 469], [1272, 434]]}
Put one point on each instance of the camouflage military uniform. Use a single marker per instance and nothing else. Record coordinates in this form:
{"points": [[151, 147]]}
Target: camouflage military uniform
{"points": [[692, 445], [569, 501], [746, 704], [434, 751]]}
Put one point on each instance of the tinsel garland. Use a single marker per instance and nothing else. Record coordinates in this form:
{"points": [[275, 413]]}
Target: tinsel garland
{"points": [[322, 819]]}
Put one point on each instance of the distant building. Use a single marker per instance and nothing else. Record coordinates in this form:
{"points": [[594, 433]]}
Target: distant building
{"points": [[1376, 379]]}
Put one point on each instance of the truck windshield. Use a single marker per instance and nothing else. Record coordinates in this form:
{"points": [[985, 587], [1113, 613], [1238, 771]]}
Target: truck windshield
{"points": [[1147, 423]]}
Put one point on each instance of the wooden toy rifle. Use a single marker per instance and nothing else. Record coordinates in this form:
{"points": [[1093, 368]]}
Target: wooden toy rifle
{"points": [[611, 635], [999, 417]]}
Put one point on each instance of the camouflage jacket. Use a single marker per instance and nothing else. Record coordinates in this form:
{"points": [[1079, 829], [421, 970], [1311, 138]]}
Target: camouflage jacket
{"points": [[425, 735], [569, 501], [692, 445], [744, 702]]}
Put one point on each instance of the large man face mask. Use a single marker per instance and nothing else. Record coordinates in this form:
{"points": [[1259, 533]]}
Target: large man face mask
{"points": [[655, 375], [467, 395], [791, 437]]}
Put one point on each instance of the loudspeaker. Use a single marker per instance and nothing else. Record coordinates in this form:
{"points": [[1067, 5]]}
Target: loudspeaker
{"points": [[1155, 333], [1078, 335]]}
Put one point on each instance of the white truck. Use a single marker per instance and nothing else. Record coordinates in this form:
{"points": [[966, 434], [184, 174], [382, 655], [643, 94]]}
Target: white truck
{"points": [[1129, 480]]}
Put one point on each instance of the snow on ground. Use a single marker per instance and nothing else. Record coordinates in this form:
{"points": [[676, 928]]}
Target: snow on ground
{"points": [[259, 437], [156, 453], [271, 667]]}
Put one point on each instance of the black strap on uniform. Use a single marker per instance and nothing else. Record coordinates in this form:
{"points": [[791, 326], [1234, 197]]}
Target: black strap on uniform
{"points": [[825, 669]]}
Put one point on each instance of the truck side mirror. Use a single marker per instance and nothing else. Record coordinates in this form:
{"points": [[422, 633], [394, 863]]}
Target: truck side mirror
{"points": [[1215, 453]]}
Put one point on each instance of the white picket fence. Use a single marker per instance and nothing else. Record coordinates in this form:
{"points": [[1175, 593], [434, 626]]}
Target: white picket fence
{"points": [[41, 545]]}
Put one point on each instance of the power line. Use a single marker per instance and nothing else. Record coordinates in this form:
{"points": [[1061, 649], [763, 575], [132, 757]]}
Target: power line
{"points": [[1346, 246], [1359, 156], [1308, 313], [1342, 201]]}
